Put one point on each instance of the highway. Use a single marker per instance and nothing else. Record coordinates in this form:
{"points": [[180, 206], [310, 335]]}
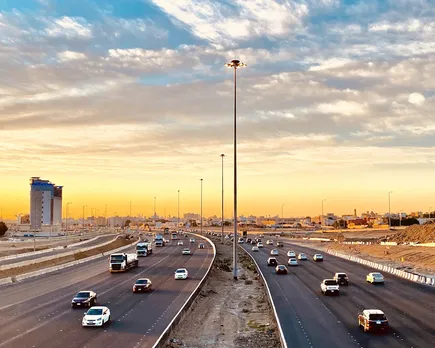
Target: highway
{"points": [[37, 312], [99, 240], [310, 319]]}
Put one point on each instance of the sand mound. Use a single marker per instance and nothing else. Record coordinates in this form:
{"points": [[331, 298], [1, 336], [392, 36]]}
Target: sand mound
{"points": [[415, 233]]}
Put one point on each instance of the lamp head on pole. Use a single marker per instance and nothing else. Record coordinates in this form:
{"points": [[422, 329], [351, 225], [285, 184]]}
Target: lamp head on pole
{"points": [[235, 64], [222, 155]]}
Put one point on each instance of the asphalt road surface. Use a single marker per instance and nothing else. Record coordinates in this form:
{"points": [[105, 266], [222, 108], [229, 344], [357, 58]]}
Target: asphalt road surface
{"points": [[99, 240], [311, 319], [37, 311]]}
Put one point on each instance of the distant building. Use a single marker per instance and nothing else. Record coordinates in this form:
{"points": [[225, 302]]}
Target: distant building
{"points": [[45, 203], [192, 216]]}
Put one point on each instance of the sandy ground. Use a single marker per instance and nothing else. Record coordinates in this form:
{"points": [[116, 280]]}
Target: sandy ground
{"points": [[60, 260], [416, 259], [228, 313]]}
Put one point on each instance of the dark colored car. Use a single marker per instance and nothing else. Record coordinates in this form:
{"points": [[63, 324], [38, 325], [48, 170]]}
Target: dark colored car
{"points": [[281, 269], [142, 285], [201, 246], [271, 261], [341, 278], [249, 240], [84, 299], [279, 244], [253, 242]]}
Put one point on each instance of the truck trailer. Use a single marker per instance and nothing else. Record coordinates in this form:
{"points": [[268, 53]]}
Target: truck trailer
{"points": [[122, 262], [143, 249]]}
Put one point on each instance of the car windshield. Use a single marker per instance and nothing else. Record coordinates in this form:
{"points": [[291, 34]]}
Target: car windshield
{"points": [[377, 275], [330, 282], [281, 267], [377, 317], [341, 275], [142, 281], [292, 260], [181, 271], [83, 294], [95, 311]]}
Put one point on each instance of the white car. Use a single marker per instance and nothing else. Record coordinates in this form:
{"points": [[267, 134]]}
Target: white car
{"points": [[255, 248], [292, 262], [318, 257], [375, 277], [330, 286], [96, 316], [302, 256], [186, 251], [166, 240], [269, 242], [240, 241], [181, 273], [291, 254], [192, 240], [180, 242], [259, 244], [274, 252]]}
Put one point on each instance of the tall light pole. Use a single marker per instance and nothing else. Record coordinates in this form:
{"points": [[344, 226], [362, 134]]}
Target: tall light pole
{"points": [[430, 208], [130, 209], [235, 64], [389, 209], [154, 207], [85, 206], [178, 216], [222, 213], [321, 222], [282, 211], [105, 213], [201, 207], [66, 224]]}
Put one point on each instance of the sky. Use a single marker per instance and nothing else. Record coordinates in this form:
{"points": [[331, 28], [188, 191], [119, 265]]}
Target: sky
{"points": [[122, 101]]}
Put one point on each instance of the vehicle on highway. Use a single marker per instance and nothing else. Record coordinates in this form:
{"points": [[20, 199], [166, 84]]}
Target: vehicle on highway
{"points": [[302, 256], [291, 254], [84, 299], [186, 251], [240, 241], [166, 240], [121, 262], [269, 242], [373, 320], [201, 245], [192, 240], [144, 249], [260, 245], [341, 278], [253, 242], [180, 242], [375, 278], [281, 269], [318, 257], [279, 244], [274, 252], [249, 240], [271, 261], [159, 240], [255, 248], [142, 285], [174, 235], [292, 262], [96, 316], [330, 286], [181, 273]]}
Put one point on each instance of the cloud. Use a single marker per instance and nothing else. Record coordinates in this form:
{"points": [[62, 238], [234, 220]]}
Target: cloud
{"points": [[70, 55], [70, 28], [343, 107], [416, 99]]}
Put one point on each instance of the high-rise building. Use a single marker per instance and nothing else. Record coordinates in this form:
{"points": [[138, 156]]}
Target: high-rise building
{"points": [[45, 203]]}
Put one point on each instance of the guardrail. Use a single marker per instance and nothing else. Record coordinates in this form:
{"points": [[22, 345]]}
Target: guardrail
{"points": [[177, 318], [30, 253], [51, 257], [270, 299], [417, 278], [62, 266]]}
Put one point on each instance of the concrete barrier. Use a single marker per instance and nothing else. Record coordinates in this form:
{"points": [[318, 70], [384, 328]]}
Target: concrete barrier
{"points": [[51, 257], [180, 314], [270, 299], [62, 266]]}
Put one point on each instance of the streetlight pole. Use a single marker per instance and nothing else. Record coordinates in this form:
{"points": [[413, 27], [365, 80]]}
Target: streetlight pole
{"points": [[178, 216], [66, 225], [130, 209], [282, 211], [85, 206], [389, 209], [154, 207], [222, 214], [321, 222], [201, 206], [235, 64], [430, 208]]}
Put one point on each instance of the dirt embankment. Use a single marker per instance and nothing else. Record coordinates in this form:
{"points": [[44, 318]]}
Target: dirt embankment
{"points": [[119, 242], [228, 313], [415, 233]]}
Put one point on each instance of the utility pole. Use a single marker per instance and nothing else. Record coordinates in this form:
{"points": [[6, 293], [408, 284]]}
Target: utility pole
{"points": [[178, 217], [201, 207], [130, 209], [282, 211], [322, 222], [389, 209], [222, 213]]}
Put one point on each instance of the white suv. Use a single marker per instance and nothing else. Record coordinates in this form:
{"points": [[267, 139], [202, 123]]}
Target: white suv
{"points": [[181, 273], [330, 286]]}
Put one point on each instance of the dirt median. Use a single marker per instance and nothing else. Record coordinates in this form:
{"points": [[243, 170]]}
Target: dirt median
{"points": [[64, 259], [228, 313]]}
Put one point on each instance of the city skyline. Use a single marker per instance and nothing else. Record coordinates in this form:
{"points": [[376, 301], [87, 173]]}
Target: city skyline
{"points": [[126, 102]]}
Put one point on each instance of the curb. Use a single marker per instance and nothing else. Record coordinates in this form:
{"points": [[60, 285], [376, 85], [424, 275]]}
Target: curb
{"points": [[281, 333], [161, 341], [62, 266]]}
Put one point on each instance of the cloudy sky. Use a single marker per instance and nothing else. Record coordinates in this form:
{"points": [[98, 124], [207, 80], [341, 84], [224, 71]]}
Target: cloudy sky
{"points": [[126, 100]]}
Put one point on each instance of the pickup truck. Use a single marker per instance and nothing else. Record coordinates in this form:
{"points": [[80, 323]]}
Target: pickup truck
{"points": [[330, 286], [341, 278]]}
